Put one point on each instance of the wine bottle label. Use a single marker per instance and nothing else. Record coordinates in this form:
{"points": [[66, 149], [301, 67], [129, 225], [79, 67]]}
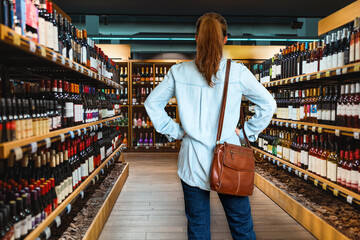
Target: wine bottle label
{"points": [[74, 178], [83, 170], [38, 219], [24, 227], [49, 32], [71, 54], [323, 168], [329, 63], [18, 126], [339, 173], [323, 114], [354, 179], [334, 60], [17, 230], [78, 116], [352, 53], [286, 153], [311, 163], [33, 223], [348, 109], [56, 38], [348, 178], [69, 109], [79, 175], [340, 60], [29, 222], [292, 155], [357, 51]]}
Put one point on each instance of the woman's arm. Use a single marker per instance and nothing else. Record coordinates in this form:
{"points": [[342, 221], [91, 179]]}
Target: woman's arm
{"points": [[155, 108], [264, 109]]}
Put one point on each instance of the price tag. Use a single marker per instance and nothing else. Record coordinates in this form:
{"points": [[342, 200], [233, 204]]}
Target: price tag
{"points": [[62, 60], [54, 57], [97, 177], [70, 64], [296, 172], [18, 153], [297, 79], [47, 142], [308, 77], [32, 46], [281, 124], [16, 39], [318, 75], [356, 68], [62, 137], [327, 74], [93, 181], [84, 129], [284, 166], [82, 194], [157, 148], [319, 130], [287, 125], [344, 70], [300, 174], [72, 135], [76, 67], [81, 69], [338, 71], [43, 51], [313, 129], [316, 182], [305, 177], [68, 208], [336, 192], [57, 220], [301, 78], [349, 199], [47, 232], [305, 127], [324, 186], [337, 132], [100, 125], [34, 147], [102, 171], [274, 161], [78, 132], [146, 147], [292, 80], [299, 126], [289, 169], [356, 135]]}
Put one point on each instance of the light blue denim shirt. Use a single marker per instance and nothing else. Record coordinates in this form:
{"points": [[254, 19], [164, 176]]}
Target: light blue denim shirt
{"points": [[199, 111]]}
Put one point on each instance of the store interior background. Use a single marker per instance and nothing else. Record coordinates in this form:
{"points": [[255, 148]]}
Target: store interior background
{"points": [[108, 21]]}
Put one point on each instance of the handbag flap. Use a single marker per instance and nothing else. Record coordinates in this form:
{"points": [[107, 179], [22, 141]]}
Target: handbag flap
{"points": [[239, 158]]}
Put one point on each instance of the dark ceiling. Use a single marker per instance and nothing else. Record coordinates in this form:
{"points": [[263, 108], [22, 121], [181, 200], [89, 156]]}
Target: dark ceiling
{"points": [[278, 8]]}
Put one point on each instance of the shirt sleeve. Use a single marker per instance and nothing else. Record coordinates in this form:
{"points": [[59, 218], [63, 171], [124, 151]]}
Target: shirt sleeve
{"points": [[155, 108], [264, 109]]}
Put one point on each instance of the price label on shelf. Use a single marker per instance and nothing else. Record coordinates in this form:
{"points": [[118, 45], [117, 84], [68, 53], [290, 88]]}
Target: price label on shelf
{"points": [[281, 124], [287, 125], [284, 166], [292, 80], [16, 39], [316, 182], [297, 79], [68, 208], [296, 172], [301, 78], [338, 71], [54, 56], [305, 127], [57, 220], [356, 135], [84, 129], [82, 194], [308, 77], [299, 126], [274, 161], [47, 142], [319, 130], [324, 186], [34, 147], [336, 192], [43, 51], [47, 232], [72, 135], [327, 74], [289, 169], [93, 181], [313, 129], [81, 69], [300, 174], [18, 153], [337, 132], [318, 75], [344, 70], [349, 199], [78, 132], [62, 60], [305, 177], [356, 68], [62, 137], [70, 64], [32, 46]]}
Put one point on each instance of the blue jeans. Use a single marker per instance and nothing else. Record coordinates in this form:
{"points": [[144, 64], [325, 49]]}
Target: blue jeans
{"points": [[197, 209]]}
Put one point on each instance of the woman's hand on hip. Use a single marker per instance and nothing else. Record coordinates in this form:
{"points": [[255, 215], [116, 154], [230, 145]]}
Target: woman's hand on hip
{"points": [[237, 130]]}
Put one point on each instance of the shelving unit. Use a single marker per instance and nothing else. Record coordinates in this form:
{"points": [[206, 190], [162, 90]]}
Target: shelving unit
{"points": [[336, 189], [65, 206], [20, 53]]}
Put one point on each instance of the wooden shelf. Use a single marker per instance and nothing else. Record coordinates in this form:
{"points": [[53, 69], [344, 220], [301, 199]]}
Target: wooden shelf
{"points": [[336, 189], [5, 148], [320, 127], [307, 218], [339, 71], [18, 50], [36, 232]]}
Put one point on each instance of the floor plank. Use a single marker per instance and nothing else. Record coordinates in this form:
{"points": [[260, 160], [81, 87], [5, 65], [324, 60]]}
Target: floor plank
{"points": [[151, 206]]}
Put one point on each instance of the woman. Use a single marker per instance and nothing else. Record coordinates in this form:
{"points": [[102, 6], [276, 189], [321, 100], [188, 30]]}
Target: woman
{"points": [[198, 87]]}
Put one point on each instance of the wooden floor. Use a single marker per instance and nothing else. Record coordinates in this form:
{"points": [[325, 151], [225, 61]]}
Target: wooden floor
{"points": [[151, 206]]}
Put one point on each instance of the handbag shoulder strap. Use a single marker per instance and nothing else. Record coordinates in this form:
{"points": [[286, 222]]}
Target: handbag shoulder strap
{"points": [[223, 104]]}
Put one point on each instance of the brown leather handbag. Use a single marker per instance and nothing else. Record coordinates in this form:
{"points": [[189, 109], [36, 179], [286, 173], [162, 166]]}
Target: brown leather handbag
{"points": [[233, 166]]}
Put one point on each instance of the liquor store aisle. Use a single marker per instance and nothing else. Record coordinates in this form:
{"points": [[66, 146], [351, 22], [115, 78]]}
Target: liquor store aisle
{"points": [[151, 206]]}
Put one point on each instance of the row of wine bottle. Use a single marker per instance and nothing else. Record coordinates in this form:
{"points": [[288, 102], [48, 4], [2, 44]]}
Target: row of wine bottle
{"points": [[41, 23], [323, 105], [33, 187], [146, 76], [336, 50], [31, 109], [328, 156]]}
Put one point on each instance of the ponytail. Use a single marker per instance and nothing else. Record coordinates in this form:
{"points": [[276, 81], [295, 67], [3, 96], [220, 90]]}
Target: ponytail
{"points": [[211, 29]]}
